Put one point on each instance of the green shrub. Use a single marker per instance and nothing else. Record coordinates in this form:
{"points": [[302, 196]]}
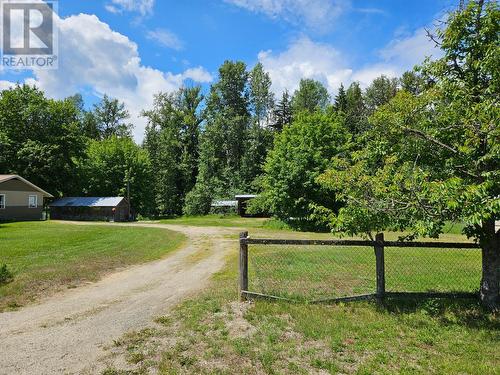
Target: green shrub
{"points": [[6, 275], [197, 201]]}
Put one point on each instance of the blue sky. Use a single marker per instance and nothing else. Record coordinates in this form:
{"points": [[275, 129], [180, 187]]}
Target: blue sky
{"points": [[131, 49]]}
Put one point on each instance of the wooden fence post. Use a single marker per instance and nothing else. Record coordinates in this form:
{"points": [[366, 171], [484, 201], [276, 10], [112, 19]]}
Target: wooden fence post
{"points": [[243, 266], [380, 265]]}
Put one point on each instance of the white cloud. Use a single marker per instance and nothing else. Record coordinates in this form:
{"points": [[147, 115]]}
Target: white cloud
{"points": [[94, 57], [316, 14], [198, 74], [307, 59], [409, 50], [144, 7], [165, 38], [5, 85], [112, 9], [367, 74]]}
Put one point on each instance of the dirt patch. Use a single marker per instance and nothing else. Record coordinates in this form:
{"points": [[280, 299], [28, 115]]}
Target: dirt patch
{"points": [[238, 326]]}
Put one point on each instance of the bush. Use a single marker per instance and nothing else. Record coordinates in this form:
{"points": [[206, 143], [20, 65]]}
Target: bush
{"points": [[6, 275], [301, 153], [198, 201]]}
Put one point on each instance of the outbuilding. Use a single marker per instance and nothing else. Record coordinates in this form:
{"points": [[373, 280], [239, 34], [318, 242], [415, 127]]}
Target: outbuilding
{"points": [[242, 203], [91, 209], [20, 199]]}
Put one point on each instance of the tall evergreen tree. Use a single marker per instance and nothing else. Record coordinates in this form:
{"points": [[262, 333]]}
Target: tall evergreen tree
{"points": [[282, 114], [355, 113], [341, 100]]}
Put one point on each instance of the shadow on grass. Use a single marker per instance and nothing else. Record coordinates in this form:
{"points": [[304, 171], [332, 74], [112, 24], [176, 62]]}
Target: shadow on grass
{"points": [[450, 311]]}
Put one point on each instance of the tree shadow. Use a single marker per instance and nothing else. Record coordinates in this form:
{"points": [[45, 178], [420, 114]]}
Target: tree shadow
{"points": [[448, 311]]}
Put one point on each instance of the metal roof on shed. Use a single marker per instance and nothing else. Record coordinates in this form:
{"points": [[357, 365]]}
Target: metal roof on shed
{"points": [[87, 202], [224, 203]]}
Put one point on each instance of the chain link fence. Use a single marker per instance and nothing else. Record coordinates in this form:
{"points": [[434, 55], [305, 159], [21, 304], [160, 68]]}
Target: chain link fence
{"points": [[307, 271]]}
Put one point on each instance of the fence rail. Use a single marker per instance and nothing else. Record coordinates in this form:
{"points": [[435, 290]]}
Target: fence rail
{"points": [[284, 273]]}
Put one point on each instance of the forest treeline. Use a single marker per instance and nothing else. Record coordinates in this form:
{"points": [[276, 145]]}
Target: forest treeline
{"points": [[196, 147]]}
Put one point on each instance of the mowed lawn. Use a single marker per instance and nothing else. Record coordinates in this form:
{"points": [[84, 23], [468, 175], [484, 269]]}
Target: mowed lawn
{"points": [[213, 333], [49, 256], [224, 221], [322, 272]]}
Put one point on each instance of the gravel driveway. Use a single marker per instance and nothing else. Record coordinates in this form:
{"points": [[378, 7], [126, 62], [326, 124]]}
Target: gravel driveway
{"points": [[66, 333]]}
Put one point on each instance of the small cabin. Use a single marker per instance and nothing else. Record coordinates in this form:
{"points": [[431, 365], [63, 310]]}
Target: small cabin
{"points": [[20, 199], [91, 209]]}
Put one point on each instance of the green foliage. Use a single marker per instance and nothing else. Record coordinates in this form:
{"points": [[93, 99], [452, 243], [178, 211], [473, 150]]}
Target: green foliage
{"points": [[198, 200], [435, 156], [311, 96], [6, 275], [301, 153], [235, 141], [432, 157], [259, 136], [355, 112], [261, 96], [282, 113], [108, 119], [40, 138], [172, 136], [381, 90], [113, 163], [412, 82], [341, 100]]}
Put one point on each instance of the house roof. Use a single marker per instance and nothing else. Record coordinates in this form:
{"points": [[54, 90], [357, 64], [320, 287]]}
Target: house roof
{"points": [[87, 202], [8, 177]]}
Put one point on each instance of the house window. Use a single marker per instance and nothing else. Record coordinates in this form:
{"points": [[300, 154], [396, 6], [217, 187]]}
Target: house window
{"points": [[2, 201], [32, 201]]}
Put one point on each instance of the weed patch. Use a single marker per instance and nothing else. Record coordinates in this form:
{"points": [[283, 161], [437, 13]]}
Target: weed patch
{"points": [[6, 275]]}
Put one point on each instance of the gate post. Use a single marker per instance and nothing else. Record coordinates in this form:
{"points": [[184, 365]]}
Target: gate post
{"points": [[243, 266], [380, 265]]}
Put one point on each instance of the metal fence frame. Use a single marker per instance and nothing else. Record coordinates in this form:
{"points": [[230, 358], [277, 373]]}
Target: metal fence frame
{"points": [[378, 245]]}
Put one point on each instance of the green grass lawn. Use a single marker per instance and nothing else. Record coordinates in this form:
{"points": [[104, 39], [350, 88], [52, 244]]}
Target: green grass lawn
{"points": [[322, 272], [48, 256], [213, 333], [225, 221]]}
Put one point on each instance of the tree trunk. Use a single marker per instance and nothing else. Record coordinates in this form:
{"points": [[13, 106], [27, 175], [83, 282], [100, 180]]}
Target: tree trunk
{"points": [[490, 281]]}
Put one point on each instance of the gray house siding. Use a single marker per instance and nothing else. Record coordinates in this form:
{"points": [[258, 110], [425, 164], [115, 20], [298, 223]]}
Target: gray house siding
{"points": [[21, 213], [16, 193]]}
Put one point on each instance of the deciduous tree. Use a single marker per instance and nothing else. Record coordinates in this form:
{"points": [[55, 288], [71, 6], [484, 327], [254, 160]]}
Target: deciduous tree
{"points": [[435, 156], [311, 96]]}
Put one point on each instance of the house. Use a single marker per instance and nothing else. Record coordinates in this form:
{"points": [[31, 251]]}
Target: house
{"points": [[91, 209], [20, 199]]}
